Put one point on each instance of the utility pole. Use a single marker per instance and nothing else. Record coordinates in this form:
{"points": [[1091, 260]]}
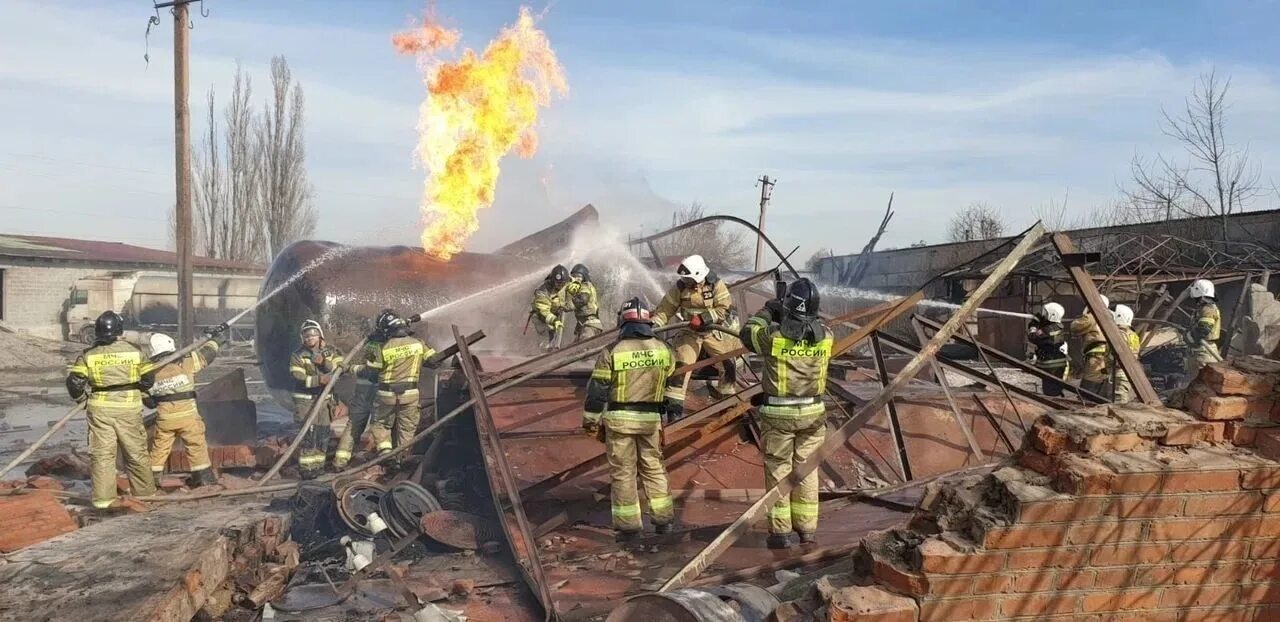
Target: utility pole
{"points": [[766, 191], [182, 167]]}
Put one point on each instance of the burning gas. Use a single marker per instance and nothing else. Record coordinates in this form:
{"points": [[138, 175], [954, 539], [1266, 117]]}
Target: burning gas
{"points": [[478, 108]]}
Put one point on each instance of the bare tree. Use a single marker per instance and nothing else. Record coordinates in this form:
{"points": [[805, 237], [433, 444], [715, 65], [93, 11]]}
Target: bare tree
{"points": [[717, 241], [1217, 178], [228, 217], [816, 258], [979, 221], [1057, 217], [285, 193]]}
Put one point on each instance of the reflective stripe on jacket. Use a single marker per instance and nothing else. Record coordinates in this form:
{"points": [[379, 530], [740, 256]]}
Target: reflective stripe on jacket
{"points": [[112, 371], [635, 373], [711, 296], [179, 377], [792, 369]]}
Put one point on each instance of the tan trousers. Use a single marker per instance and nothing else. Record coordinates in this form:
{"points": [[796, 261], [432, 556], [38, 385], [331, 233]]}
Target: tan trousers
{"points": [[362, 400], [107, 432], [632, 455], [191, 430], [782, 451], [688, 344], [315, 445], [395, 423]]}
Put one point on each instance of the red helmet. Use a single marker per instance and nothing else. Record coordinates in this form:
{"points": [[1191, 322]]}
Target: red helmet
{"points": [[634, 310]]}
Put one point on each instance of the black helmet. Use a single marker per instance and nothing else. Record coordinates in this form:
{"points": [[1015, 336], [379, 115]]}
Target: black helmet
{"points": [[108, 326], [802, 299], [581, 271], [634, 310], [558, 274], [388, 321]]}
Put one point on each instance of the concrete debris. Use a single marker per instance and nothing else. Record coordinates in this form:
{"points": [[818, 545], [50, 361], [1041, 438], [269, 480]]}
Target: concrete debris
{"points": [[19, 352], [69, 465]]}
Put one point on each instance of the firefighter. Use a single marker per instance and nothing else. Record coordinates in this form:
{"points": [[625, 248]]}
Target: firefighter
{"points": [[1050, 342], [398, 362], [703, 299], [1092, 352], [173, 395], [1124, 321], [630, 389], [312, 367], [109, 377], [795, 348], [549, 304], [582, 297], [363, 398], [1205, 328]]}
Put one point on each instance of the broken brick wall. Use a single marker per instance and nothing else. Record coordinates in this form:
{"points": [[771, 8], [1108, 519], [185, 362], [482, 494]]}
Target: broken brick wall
{"points": [[1107, 513]]}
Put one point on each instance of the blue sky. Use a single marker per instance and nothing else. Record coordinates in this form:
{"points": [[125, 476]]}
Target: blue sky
{"points": [[944, 103]]}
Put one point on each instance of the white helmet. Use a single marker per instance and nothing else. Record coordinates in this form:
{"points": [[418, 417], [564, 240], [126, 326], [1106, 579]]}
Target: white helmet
{"points": [[1123, 316], [1106, 302], [308, 325], [1053, 312], [162, 344], [1202, 288], [694, 267]]}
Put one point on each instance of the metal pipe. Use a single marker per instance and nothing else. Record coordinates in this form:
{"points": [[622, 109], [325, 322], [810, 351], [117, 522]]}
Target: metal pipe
{"points": [[714, 217]]}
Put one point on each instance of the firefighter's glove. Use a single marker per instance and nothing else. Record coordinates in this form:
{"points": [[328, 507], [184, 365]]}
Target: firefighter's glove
{"points": [[775, 309], [414, 319], [674, 410], [701, 322], [591, 424], [213, 331]]}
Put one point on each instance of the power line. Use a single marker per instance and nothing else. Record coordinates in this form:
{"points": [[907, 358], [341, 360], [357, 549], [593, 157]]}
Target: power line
{"points": [[36, 156]]}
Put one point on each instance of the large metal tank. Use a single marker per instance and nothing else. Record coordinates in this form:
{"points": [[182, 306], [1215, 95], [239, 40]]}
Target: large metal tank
{"points": [[345, 287]]}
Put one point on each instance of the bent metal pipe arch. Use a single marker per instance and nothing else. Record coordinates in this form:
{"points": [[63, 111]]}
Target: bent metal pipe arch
{"points": [[734, 219]]}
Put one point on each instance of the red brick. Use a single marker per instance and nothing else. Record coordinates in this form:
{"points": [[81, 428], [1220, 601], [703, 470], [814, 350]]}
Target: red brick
{"points": [[1200, 596], [1268, 593], [1223, 379], [1261, 478], [1143, 507], [1025, 536], [233, 456], [1105, 532], [1048, 558], [179, 461], [939, 557], [1121, 600], [1078, 475], [1224, 504], [1190, 433], [948, 587], [1037, 461], [1271, 503], [1079, 580], [870, 603], [1047, 439], [1102, 443], [1035, 582], [1215, 408], [950, 610], [1232, 573], [29, 518], [992, 584], [1111, 578], [900, 580], [1038, 605], [1210, 551], [1059, 511], [1201, 481], [1137, 483], [1268, 526], [1266, 443], [1264, 549], [1176, 575], [1129, 554], [1238, 433], [1261, 407], [1224, 614], [1177, 531]]}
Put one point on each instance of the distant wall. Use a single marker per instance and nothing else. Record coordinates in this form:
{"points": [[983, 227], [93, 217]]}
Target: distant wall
{"points": [[33, 297]]}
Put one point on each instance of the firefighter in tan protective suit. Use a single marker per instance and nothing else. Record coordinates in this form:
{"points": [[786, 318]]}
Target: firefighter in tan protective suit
{"points": [[399, 363], [703, 299], [1093, 352], [1123, 315], [1205, 329], [312, 367], [581, 295], [631, 388], [173, 395], [795, 348], [363, 397], [549, 304], [109, 377]]}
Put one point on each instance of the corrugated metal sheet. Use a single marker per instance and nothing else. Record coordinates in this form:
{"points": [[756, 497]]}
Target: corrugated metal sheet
{"points": [[68, 249]]}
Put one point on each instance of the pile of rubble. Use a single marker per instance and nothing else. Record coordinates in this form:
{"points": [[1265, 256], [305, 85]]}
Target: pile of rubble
{"points": [[1110, 512]]}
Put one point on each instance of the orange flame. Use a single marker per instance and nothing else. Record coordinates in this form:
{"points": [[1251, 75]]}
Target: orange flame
{"points": [[478, 108]]}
